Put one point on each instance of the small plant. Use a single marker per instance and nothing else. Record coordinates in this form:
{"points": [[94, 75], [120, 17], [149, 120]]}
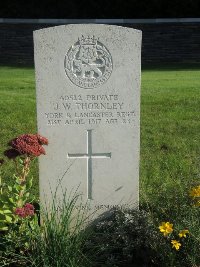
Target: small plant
{"points": [[180, 245], [17, 215], [166, 228], [59, 241]]}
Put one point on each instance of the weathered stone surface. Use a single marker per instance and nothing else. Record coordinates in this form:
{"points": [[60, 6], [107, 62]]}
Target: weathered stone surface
{"points": [[88, 106]]}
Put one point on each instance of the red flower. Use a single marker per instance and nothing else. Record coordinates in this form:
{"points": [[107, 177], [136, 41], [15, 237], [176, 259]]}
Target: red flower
{"points": [[30, 144], [27, 210], [20, 212], [29, 206]]}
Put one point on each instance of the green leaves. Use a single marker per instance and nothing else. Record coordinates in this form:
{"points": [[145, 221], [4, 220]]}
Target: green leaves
{"points": [[3, 227], [6, 218], [12, 197], [17, 218], [6, 209]]}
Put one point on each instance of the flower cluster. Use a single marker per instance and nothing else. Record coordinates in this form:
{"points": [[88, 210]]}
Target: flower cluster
{"points": [[27, 210], [26, 144], [195, 194], [167, 228]]}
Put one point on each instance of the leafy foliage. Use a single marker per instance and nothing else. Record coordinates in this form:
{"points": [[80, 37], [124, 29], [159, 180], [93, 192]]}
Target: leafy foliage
{"points": [[59, 241], [17, 216], [10, 199]]}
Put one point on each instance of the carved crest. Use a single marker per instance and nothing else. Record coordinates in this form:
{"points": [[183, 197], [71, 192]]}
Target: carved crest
{"points": [[88, 63]]}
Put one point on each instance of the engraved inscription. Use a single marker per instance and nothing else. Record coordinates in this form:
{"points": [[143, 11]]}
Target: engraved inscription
{"points": [[101, 207], [88, 63], [88, 110], [89, 156]]}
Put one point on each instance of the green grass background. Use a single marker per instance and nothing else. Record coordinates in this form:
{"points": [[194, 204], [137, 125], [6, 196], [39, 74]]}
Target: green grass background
{"points": [[17, 113], [170, 122], [170, 144], [170, 126]]}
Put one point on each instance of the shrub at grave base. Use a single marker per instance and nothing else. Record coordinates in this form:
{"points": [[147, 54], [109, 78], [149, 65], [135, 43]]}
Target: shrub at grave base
{"points": [[124, 239]]}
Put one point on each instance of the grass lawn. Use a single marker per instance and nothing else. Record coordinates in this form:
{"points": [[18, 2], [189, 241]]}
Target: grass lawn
{"points": [[170, 125], [170, 139], [170, 122], [18, 110]]}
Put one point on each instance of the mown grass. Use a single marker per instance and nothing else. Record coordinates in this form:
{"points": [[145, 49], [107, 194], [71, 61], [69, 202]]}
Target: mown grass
{"points": [[170, 140], [170, 146], [170, 124], [17, 110]]}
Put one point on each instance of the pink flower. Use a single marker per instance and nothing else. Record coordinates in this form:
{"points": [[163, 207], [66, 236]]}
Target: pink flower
{"points": [[20, 212], [27, 210], [29, 206], [29, 144]]}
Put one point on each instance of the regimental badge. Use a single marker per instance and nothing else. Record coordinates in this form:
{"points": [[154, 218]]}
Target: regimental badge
{"points": [[88, 63]]}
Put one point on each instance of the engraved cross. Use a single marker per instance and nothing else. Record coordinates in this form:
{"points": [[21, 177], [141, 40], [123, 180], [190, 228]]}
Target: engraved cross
{"points": [[89, 156]]}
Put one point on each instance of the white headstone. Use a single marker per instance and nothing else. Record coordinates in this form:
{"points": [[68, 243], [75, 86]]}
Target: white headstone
{"points": [[88, 106]]}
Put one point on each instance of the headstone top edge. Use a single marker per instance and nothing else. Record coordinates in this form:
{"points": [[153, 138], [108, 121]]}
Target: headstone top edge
{"points": [[86, 25]]}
